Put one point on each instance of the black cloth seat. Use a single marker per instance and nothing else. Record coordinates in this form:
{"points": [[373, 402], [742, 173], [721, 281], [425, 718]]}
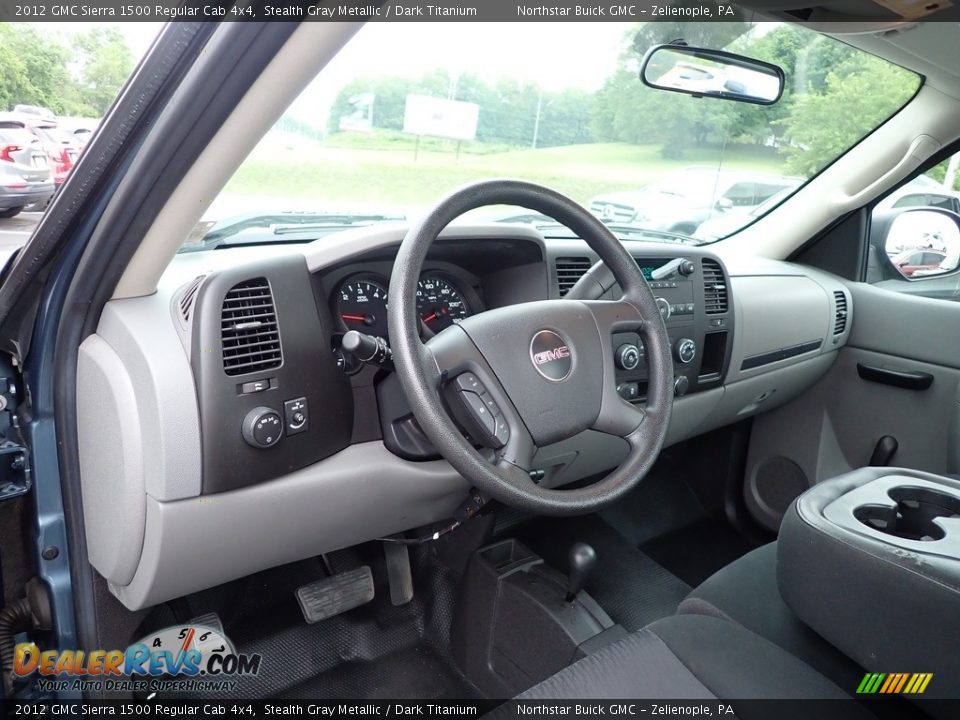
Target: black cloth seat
{"points": [[697, 657], [745, 592]]}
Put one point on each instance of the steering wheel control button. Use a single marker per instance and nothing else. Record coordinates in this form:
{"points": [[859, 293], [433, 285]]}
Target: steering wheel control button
{"points": [[296, 415], [262, 427], [551, 356], [628, 357], [481, 412], [502, 433], [685, 350], [470, 382]]}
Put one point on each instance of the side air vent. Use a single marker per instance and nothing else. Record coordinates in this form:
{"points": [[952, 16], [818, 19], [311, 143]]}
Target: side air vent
{"points": [[248, 329], [569, 270], [188, 297], [840, 315], [714, 288]]}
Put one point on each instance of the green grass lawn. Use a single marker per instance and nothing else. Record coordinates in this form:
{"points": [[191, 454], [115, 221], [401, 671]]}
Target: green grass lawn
{"points": [[387, 174]]}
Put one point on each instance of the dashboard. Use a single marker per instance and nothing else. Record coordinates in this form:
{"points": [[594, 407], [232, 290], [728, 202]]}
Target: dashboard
{"points": [[223, 413]]}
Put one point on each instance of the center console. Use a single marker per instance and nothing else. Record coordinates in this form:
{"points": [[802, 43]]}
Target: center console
{"points": [[871, 561], [519, 621]]}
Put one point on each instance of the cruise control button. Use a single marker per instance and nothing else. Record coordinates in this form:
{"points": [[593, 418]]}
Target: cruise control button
{"points": [[491, 405], [470, 383], [481, 411], [502, 433]]}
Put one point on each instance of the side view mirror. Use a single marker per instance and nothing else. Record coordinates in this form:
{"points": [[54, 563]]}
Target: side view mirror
{"points": [[921, 243], [724, 204], [702, 72]]}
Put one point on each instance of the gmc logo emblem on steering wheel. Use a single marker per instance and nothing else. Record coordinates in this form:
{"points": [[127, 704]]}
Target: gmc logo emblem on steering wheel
{"points": [[551, 356]]}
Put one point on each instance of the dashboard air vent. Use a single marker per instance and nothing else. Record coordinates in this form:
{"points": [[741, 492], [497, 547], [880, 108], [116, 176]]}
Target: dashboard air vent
{"points": [[840, 314], [188, 297], [569, 270], [248, 329], [714, 288]]}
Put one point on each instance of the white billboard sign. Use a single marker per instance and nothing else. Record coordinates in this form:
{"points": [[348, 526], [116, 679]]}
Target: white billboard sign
{"points": [[440, 118]]}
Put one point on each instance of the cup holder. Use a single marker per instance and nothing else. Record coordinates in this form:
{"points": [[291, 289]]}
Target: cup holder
{"points": [[913, 515]]}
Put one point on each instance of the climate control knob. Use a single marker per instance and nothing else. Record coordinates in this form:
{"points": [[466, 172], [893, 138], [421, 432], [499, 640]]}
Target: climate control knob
{"points": [[685, 350], [627, 356], [262, 427]]}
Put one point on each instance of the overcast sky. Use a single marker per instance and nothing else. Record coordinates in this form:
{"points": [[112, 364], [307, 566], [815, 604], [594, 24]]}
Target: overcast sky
{"points": [[556, 55]]}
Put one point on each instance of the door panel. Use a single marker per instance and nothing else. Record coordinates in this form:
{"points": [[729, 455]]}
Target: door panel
{"points": [[835, 426]]}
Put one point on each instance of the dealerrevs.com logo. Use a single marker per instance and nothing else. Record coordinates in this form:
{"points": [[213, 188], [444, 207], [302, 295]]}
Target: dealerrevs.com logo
{"points": [[177, 658]]}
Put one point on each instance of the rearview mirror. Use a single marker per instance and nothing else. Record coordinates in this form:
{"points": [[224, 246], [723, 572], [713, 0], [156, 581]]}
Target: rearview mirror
{"points": [[711, 73]]}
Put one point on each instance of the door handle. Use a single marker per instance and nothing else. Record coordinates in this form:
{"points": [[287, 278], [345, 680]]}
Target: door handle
{"points": [[907, 379]]}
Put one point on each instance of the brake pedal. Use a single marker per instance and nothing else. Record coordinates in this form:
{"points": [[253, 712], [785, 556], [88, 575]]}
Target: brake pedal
{"points": [[334, 595]]}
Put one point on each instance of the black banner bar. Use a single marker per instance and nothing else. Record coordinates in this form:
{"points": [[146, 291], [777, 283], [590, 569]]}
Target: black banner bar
{"points": [[367, 10], [256, 709]]}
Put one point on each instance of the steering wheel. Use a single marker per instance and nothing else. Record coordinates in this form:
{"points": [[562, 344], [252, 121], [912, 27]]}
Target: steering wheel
{"points": [[543, 371]]}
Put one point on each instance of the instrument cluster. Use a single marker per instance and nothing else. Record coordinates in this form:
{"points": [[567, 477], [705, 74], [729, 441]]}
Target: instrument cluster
{"points": [[360, 303]]}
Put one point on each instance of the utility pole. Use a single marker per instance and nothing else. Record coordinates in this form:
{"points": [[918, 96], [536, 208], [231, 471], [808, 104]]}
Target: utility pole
{"points": [[536, 119]]}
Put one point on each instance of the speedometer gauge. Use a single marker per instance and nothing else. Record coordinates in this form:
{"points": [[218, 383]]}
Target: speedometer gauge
{"points": [[361, 304], [439, 303]]}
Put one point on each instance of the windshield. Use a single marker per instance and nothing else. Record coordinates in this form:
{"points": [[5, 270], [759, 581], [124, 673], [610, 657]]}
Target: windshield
{"points": [[559, 104]]}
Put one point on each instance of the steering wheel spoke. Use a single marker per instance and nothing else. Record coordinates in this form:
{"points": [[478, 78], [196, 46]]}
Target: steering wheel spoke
{"points": [[477, 398]]}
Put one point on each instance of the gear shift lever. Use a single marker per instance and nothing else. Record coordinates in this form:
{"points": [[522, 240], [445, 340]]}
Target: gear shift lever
{"points": [[583, 559]]}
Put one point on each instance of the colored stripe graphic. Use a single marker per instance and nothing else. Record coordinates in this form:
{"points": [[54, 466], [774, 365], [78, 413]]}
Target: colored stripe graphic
{"points": [[894, 683]]}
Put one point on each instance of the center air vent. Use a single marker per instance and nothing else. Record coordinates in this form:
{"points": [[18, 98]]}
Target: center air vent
{"points": [[569, 270], [248, 329], [714, 288], [840, 314]]}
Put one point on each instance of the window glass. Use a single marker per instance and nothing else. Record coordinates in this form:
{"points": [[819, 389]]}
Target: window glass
{"points": [[58, 80], [372, 141]]}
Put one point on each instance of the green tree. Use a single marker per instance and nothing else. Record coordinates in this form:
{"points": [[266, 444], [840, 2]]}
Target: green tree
{"points": [[857, 96], [34, 70], [105, 63]]}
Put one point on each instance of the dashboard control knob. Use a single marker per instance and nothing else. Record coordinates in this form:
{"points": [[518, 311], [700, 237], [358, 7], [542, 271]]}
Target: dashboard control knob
{"points": [[262, 427], [681, 385], [685, 350], [664, 308], [686, 267], [627, 356]]}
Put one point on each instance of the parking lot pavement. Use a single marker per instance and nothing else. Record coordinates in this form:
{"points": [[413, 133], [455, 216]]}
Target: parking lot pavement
{"points": [[15, 231]]}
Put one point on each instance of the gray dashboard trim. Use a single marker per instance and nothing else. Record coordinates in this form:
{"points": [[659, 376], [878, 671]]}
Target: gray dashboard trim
{"points": [[142, 333], [111, 461], [361, 493]]}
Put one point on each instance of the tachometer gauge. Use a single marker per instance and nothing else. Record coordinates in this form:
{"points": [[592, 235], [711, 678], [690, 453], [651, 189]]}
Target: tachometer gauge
{"points": [[361, 304], [439, 303]]}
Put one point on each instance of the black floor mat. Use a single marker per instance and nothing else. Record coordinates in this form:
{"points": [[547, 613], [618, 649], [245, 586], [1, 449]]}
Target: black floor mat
{"points": [[414, 672], [374, 651], [632, 588], [696, 551]]}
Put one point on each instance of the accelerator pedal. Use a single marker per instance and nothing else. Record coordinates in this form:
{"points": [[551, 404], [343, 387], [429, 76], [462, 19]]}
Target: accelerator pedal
{"points": [[398, 573], [334, 595]]}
